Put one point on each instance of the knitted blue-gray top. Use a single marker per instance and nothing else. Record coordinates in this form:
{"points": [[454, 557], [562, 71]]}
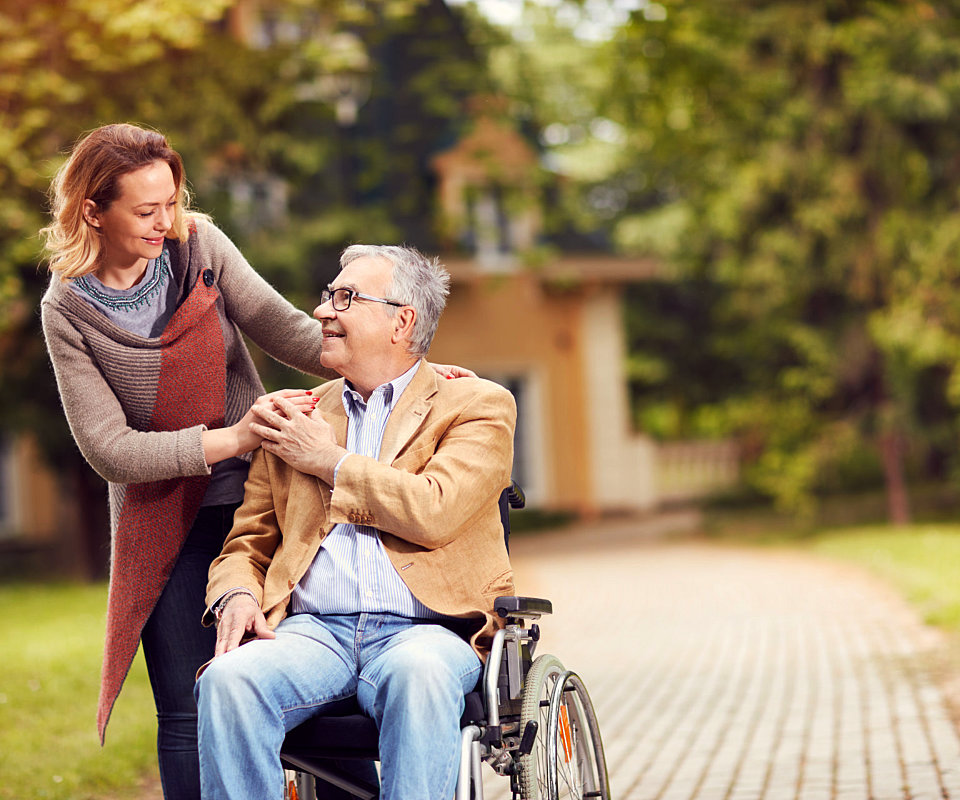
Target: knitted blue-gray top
{"points": [[145, 309]]}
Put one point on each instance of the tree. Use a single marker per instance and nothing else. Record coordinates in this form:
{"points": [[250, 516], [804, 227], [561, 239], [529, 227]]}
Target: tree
{"points": [[232, 111], [805, 161]]}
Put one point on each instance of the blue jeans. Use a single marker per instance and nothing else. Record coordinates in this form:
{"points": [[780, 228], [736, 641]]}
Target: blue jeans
{"points": [[175, 644], [410, 676]]}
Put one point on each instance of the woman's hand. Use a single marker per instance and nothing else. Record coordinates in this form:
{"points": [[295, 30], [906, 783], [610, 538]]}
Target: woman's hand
{"points": [[451, 371], [235, 440]]}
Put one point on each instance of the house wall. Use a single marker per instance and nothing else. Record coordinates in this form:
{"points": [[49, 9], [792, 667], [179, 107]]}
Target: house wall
{"points": [[623, 461], [511, 325], [29, 506]]}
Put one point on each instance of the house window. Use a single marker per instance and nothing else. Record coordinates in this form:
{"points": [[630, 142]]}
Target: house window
{"points": [[529, 461], [487, 231], [516, 386]]}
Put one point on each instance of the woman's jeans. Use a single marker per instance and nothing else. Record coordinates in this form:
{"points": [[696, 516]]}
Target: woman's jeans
{"points": [[410, 676], [175, 645]]}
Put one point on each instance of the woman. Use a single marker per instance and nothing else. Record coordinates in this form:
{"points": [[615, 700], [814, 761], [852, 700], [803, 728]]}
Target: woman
{"points": [[143, 320]]}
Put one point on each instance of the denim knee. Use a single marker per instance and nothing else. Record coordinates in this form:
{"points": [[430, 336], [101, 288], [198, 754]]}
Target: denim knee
{"points": [[221, 688]]}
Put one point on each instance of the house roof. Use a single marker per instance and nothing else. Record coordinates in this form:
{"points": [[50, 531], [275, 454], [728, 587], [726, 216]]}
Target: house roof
{"points": [[572, 268]]}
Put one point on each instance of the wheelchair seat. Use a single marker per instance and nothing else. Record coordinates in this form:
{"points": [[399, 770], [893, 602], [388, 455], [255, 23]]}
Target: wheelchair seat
{"points": [[346, 732], [529, 719]]}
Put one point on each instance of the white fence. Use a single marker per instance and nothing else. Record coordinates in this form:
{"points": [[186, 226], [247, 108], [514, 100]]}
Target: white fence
{"points": [[693, 470]]}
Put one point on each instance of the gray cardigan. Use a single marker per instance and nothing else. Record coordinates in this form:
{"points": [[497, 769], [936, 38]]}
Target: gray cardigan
{"points": [[107, 377]]}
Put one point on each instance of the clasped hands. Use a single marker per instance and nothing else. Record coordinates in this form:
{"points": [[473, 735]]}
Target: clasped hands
{"points": [[298, 434]]}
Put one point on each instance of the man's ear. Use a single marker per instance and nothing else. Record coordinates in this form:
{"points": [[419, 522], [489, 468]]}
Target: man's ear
{"points": [[403, 322], [91, 213]]}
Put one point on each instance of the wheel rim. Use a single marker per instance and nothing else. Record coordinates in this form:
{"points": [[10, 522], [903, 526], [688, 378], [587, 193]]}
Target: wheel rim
{"points": [[567, 759], [576, 766]]}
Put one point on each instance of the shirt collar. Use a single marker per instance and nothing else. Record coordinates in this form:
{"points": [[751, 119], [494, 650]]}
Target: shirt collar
{"points": [[391, 391]]}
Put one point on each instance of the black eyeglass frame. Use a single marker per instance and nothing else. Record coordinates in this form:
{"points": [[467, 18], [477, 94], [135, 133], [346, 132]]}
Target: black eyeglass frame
{"points": [[331, 295]]}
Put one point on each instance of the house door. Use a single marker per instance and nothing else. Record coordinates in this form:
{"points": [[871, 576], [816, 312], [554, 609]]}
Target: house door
{"points": [[528, 458]]}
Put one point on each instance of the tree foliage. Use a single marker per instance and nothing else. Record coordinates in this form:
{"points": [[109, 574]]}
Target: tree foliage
{"points": [[261, 112], [795, 167], [805, 159]]}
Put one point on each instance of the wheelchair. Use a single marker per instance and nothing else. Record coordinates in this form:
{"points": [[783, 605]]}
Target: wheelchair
{"points": [[529, 718]]}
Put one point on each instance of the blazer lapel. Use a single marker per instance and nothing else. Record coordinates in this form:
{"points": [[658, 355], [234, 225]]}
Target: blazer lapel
{"points": [[405, 420], [331, 407]]}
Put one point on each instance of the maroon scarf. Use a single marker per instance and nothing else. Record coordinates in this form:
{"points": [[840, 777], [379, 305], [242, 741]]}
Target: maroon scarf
{"points": [[156, 517]]}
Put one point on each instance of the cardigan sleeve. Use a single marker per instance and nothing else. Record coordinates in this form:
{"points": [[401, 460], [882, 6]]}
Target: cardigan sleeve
{"points": [[118, 453], [284, 332]]}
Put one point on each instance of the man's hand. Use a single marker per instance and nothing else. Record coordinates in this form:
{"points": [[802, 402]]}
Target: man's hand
{"points": [[306, 443], [241, 615]]}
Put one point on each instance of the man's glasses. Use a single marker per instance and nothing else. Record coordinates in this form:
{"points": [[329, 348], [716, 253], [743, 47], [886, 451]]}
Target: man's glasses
{"points": [[342, 298]]}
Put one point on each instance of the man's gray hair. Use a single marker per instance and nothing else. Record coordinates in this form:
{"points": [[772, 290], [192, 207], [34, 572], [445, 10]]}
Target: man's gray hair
{"points": [[418, 281]]}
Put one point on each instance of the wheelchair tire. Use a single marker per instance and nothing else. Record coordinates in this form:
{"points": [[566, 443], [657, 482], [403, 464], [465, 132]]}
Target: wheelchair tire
{"points": [[567, 759]]}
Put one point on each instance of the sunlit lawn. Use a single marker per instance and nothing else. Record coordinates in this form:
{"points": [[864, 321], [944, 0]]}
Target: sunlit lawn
{"points": [[51, 641], [922, 561]]}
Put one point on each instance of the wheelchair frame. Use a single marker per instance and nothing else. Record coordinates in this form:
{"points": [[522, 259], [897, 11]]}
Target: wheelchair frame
{"points": [[530, 719]]}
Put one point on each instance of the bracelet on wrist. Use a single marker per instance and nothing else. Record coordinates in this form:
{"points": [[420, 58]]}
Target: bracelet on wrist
{"points": [[222, 605]]}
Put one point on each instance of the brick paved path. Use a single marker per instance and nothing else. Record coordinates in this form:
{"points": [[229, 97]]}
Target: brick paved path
{"points": [[734, 674]]}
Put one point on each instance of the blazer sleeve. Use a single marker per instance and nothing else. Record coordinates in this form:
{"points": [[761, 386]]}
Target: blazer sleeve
{"points": [[251, 543], [428, 499], [117, 452], [285, 333]]}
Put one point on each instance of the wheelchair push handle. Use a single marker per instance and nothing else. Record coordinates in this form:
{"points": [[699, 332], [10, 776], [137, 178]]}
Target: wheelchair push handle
{"points": [[515, 495]]}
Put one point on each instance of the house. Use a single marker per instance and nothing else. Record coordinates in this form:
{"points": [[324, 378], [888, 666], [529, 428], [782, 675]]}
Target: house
{"points": [[552, 332]]}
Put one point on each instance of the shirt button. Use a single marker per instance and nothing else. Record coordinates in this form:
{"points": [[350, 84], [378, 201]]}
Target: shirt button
{"points": [[208, 277]]}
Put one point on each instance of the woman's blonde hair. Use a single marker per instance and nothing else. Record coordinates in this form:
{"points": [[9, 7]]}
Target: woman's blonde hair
{"points": [[93, 172]]}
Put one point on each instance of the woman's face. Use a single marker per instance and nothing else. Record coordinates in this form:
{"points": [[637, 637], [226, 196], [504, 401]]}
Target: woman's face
{"points": [[135, 224]]}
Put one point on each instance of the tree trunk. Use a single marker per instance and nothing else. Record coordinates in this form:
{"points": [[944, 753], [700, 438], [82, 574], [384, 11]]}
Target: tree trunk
{"points": [[898, 503]]}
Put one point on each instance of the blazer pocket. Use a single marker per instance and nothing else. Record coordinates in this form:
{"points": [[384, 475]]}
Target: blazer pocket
{"points": [[502, 584], [415, 454]]}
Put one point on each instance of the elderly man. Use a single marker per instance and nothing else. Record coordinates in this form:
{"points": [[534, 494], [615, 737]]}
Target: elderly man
{"points": [[368, 551]]}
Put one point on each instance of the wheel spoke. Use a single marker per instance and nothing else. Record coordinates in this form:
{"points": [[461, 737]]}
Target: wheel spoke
{"points": [[567, 758]]}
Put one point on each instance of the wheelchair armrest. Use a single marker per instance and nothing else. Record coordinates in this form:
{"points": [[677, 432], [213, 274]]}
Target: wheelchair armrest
{"points": [[526, 607]]}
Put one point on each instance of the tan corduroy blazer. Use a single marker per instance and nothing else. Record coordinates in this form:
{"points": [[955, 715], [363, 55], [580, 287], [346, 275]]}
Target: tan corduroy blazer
{"points": [[447, 453]]}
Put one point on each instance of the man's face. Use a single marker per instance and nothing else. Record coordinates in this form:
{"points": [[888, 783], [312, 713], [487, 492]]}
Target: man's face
{"points": [[356, 340]]}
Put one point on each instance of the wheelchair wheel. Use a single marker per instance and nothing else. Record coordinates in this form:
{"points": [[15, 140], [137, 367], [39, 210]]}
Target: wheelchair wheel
{"points": [[567, 759]]}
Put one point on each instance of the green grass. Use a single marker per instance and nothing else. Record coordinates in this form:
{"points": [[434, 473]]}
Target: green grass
{"points": [[51, 642], [921, 561]]}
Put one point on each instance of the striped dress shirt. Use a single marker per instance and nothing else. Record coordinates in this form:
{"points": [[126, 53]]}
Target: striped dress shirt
{"points": [[352, 572]]}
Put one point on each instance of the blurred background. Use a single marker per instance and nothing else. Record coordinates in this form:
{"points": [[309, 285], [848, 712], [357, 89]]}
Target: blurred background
{"points": [[711, 246]]}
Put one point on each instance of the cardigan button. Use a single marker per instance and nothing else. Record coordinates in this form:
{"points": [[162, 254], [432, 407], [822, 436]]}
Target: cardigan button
{"points": [[208, 277]]}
